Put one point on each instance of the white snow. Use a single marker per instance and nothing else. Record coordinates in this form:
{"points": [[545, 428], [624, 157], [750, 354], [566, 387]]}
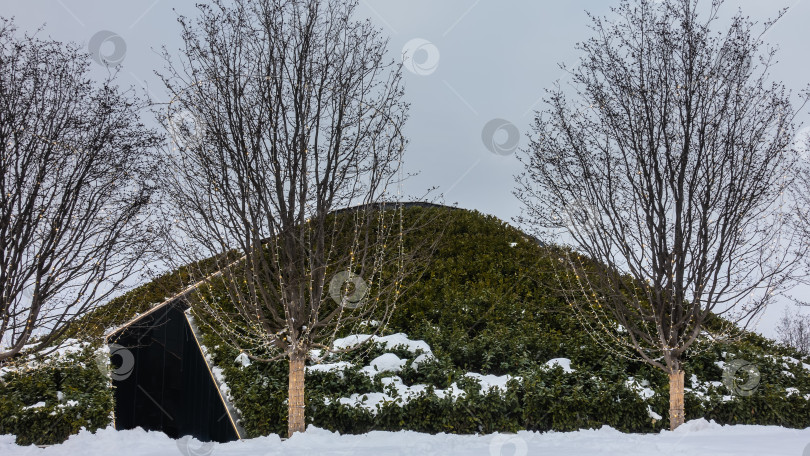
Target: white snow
{"points": [[400, 394], [68, 347], [491, 381], [243, 359], [389, 342], [39, 404], [695, 438], [368, 401], [316, 355], [565, 363], [387, 362], [223, 386], [419, 360], [330, 367], [641, 387], [794, 361], [701, 389]]}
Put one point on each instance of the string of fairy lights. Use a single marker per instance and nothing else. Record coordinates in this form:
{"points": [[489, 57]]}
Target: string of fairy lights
{"points": [[599, 318], [209, 302], [592, 307], [601, 325], [245, 330]]}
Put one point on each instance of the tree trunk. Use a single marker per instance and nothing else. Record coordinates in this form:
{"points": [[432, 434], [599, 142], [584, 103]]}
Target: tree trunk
{"points": [[676, 408], [295, 398]]}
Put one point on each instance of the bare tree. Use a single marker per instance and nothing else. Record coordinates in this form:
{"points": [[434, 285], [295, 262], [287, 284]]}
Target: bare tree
{"points": [[793, 329], [284, 111], [72, 158], [666, 165], [801, 194]]}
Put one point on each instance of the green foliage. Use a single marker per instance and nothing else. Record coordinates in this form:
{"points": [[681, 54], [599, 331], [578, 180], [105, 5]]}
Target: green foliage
{"points": [[75, 392], [567, 402], [485, 303]]}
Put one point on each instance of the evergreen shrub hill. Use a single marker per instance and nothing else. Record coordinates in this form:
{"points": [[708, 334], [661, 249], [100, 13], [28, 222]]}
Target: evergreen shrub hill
{"points": [[485, 302]]}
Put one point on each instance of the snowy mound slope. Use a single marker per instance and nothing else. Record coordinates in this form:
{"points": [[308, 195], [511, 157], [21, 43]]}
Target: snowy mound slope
{"points": [[695, 438]]}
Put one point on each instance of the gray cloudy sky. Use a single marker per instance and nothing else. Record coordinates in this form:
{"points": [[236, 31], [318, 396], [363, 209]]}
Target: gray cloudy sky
{"points": [[472, 61]]}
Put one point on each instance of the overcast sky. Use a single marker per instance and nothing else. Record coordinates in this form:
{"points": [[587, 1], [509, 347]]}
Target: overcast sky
{"points": [[473, 62]]}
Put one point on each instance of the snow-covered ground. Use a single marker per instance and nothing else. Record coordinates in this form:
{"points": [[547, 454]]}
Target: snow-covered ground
{"points": [[695, 438]]}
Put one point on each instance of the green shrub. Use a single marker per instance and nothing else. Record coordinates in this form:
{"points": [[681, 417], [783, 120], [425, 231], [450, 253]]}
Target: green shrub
{"points": [[486, 303], [75, 393]]}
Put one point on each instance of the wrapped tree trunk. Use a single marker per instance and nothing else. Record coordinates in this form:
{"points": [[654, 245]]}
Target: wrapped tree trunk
{"points": [[295, 401], [676, 407]]}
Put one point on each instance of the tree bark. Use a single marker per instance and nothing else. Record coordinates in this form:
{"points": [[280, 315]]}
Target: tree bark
{"points": [[676, 407], [295, 402]]}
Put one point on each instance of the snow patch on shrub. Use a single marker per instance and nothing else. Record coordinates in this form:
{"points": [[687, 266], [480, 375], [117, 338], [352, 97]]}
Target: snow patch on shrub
{"points": [[565, 363], [387, 362], [243, 359], [488, 382], [389, 342]]}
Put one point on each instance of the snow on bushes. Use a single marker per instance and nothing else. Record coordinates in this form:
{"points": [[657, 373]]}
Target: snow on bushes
{"points": [[395, 382], [393, 389], [43, 400], [398, 340], [564, 363]]}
